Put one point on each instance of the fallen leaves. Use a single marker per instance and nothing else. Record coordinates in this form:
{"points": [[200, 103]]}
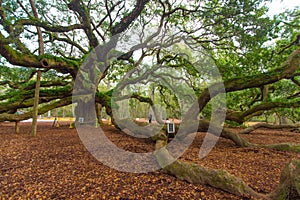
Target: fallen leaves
{"points": [[55, 165]]}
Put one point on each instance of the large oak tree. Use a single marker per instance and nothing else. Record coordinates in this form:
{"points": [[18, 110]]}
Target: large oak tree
{"points": [[257, 74]]}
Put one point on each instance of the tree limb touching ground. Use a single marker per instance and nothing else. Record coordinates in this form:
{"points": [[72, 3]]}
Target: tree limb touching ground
{"points": [[193, 173]]}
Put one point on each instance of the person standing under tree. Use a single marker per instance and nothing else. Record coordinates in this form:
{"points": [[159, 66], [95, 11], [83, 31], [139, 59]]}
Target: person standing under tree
{"points": [[150, 118]]}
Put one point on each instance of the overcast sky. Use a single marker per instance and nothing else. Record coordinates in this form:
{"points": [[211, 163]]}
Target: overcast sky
{"points": [[278, 6]]}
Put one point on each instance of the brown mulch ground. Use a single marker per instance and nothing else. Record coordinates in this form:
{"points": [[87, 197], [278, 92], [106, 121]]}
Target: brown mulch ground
{"points": [[55, 165]]}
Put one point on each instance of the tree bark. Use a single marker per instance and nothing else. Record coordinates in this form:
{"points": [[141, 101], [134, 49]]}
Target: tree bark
{"points": [[86, 112], [194, 173], [36, 104], [289, 186], [42, 110]]}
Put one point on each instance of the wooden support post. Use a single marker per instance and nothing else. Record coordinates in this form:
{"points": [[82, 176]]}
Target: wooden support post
{"points": [[36, 103], [17, 127]]}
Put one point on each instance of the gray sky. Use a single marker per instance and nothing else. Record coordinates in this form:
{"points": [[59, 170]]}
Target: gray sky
{"points": [[278, 6]]}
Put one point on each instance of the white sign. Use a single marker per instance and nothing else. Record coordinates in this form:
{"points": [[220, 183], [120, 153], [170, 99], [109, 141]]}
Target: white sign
{"points": [[171, 127], [80, 120]]}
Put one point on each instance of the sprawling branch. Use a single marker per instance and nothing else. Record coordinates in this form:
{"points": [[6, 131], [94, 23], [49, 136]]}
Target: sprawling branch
{"points": [[236, 84], [80, 8], [193, 173], [25, 99], [268, 126], [46, 25], [243, 116], [127, 20], [33, 61], [135, 96], [42, 110]]}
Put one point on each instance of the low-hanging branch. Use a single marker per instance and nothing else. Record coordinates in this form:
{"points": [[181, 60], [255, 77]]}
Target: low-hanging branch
{"points": [[135, 96], [42, 110], [217, 130], [25, 99], [256, 110], [286, 71], [254, 127], [33, 61]]}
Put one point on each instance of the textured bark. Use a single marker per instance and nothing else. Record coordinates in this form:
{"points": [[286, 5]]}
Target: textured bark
{"points": [[204, 126], [194, 173], [221, 179], [289, 186], [85, 19], [26, 100], [85, 110], [127, 20]]}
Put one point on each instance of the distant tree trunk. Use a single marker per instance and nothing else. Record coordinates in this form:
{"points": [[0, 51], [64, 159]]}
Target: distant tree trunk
{"points": [[265, 92], [99, 113], [156, 114], [277, 119]]}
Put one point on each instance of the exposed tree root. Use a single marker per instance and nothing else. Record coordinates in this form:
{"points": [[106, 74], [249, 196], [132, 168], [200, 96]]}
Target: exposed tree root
{"points": [[194, 173], [241, 142], [293, 147], [289, 186]]}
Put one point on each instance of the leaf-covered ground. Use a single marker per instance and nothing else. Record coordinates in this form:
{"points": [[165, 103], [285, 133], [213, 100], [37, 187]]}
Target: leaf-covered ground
{"points": [[55, 165]]}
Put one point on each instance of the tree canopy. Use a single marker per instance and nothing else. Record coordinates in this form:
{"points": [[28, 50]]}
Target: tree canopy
{"points": [[244, 43]]}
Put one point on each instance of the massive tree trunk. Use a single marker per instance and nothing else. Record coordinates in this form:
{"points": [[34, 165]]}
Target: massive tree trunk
{"points": [[85, 112]]}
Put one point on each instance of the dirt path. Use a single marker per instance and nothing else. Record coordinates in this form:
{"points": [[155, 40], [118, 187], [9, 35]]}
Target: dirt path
{"points": [[55, 165]]}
